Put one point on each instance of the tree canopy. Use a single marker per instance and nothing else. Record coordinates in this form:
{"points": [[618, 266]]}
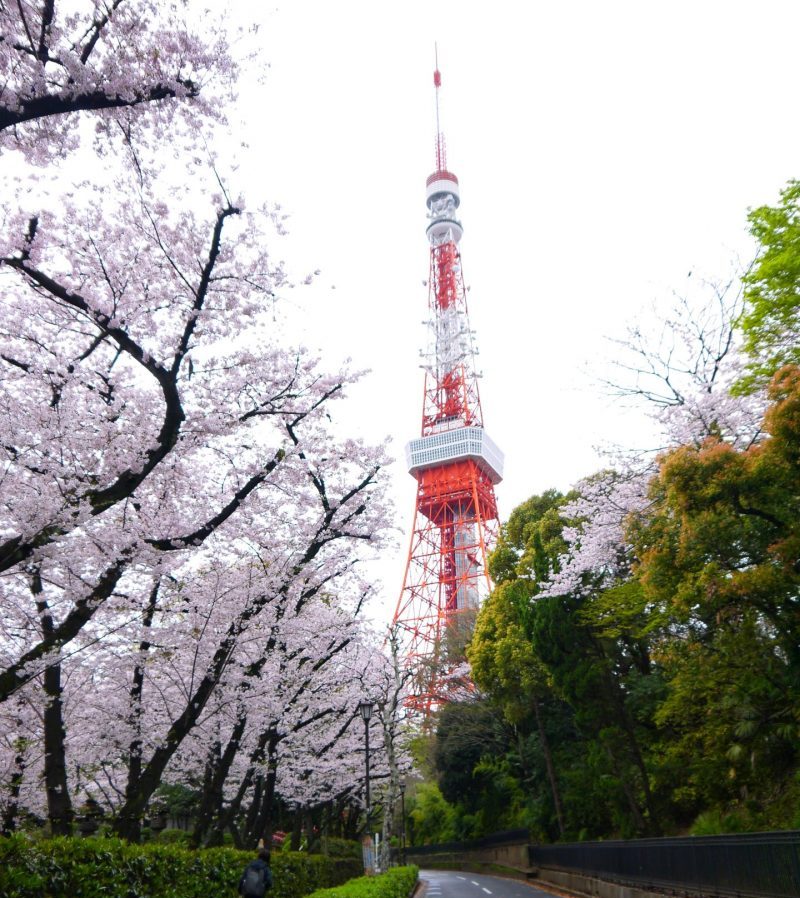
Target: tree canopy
{"points": [[771, 323], [642, 641], [182, 521]]}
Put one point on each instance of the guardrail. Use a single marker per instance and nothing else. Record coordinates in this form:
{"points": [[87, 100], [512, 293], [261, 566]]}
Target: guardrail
{"points": [[755, 865]]}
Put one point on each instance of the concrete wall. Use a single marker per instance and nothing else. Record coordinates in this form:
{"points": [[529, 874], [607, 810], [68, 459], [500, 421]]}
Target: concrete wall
{"points": [[580, 885]]}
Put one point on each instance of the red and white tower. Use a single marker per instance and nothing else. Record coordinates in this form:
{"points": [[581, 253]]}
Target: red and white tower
{"points": [[456, 467]]}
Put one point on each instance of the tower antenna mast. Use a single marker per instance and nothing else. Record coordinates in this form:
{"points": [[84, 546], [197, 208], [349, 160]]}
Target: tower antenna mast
{"points": [[441, 155]]}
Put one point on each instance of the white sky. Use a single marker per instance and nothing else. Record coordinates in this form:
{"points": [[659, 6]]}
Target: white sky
{"points": [[604, 150]]}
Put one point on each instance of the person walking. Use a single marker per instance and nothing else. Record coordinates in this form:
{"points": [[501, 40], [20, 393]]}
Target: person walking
{"points": [[257, 876]]}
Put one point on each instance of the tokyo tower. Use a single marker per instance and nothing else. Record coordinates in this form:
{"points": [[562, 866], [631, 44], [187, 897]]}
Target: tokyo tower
{"points": [[456, 467]]}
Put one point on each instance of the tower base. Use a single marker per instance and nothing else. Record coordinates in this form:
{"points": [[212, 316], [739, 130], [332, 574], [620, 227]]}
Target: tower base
{"points": [[446, 580]]}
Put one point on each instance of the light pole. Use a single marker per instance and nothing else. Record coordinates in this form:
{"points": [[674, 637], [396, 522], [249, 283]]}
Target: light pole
{"points": [[365, 709]]}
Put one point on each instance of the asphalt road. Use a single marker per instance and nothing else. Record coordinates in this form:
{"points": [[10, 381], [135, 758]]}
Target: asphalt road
{"points": [[444, 884]]}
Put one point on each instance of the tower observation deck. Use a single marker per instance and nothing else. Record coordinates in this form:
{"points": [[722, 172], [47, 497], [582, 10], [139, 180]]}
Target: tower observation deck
{"points": [[456, 466]]}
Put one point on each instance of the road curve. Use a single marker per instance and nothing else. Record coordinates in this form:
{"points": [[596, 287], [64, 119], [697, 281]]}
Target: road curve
{"points": [[454, 884]]}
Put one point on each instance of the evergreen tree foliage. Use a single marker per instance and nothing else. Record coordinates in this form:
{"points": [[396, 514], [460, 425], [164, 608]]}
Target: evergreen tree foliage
{"points": [[642, 641], [771, 323]]}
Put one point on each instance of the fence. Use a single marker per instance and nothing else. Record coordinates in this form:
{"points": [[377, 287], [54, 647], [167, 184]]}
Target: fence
{"points": [[755, 865]]}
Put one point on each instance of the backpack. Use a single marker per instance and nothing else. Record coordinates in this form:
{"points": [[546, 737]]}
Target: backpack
{"points": [[254, 881]]}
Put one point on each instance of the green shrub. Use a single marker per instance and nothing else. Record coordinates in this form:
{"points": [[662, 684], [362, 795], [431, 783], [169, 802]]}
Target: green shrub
{"points": [[712, 823], [110, 868], [173, 837], [342, 848], [396, 883]]}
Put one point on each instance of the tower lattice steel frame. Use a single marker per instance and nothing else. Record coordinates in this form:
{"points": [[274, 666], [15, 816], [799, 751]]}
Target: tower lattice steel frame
{"points": [[456, 466]]}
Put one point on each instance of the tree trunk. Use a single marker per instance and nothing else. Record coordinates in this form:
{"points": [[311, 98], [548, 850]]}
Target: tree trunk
{"points": [[211, 802], [653, 826], [262, 825], [135, 714], [387, 715], [59, 806], [126, 824], [212, 819], [350, 828], [9, 822], [249, 824], [551, 771], [313, 841], [228, 816], [633, 804], [226, 819], [297, 829]]}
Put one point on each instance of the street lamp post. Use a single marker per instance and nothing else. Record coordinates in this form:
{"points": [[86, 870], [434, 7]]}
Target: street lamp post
{"points": [[365, 709]]}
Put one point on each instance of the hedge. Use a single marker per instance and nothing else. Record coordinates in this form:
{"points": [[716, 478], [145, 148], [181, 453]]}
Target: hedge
{"points": [[110, 868], [398, 882]]}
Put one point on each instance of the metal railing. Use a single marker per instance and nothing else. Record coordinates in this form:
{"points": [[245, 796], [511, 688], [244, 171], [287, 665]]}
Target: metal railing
{"points": [[747, 865]]}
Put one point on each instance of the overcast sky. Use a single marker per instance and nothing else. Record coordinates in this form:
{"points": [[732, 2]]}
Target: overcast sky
{"points": [[604, 150]]}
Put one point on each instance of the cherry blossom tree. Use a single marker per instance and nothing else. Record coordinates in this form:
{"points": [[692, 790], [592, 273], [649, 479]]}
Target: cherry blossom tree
{"points": [[62, 58], [281, 744], [172, 485], [396, 730], [207, 460], [291, 680], [682, 372]]}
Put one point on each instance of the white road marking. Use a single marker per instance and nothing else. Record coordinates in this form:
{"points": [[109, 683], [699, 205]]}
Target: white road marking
{"points": [[486, 890], [473, 882], [462, 878]]}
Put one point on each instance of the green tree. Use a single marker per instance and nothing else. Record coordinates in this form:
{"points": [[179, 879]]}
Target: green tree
{"points": [[471, 740], [719, 571], [431, 819], [530, 542], [563, 674], [501, 654], [771, 324], [506, 667], [602, 679]]}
